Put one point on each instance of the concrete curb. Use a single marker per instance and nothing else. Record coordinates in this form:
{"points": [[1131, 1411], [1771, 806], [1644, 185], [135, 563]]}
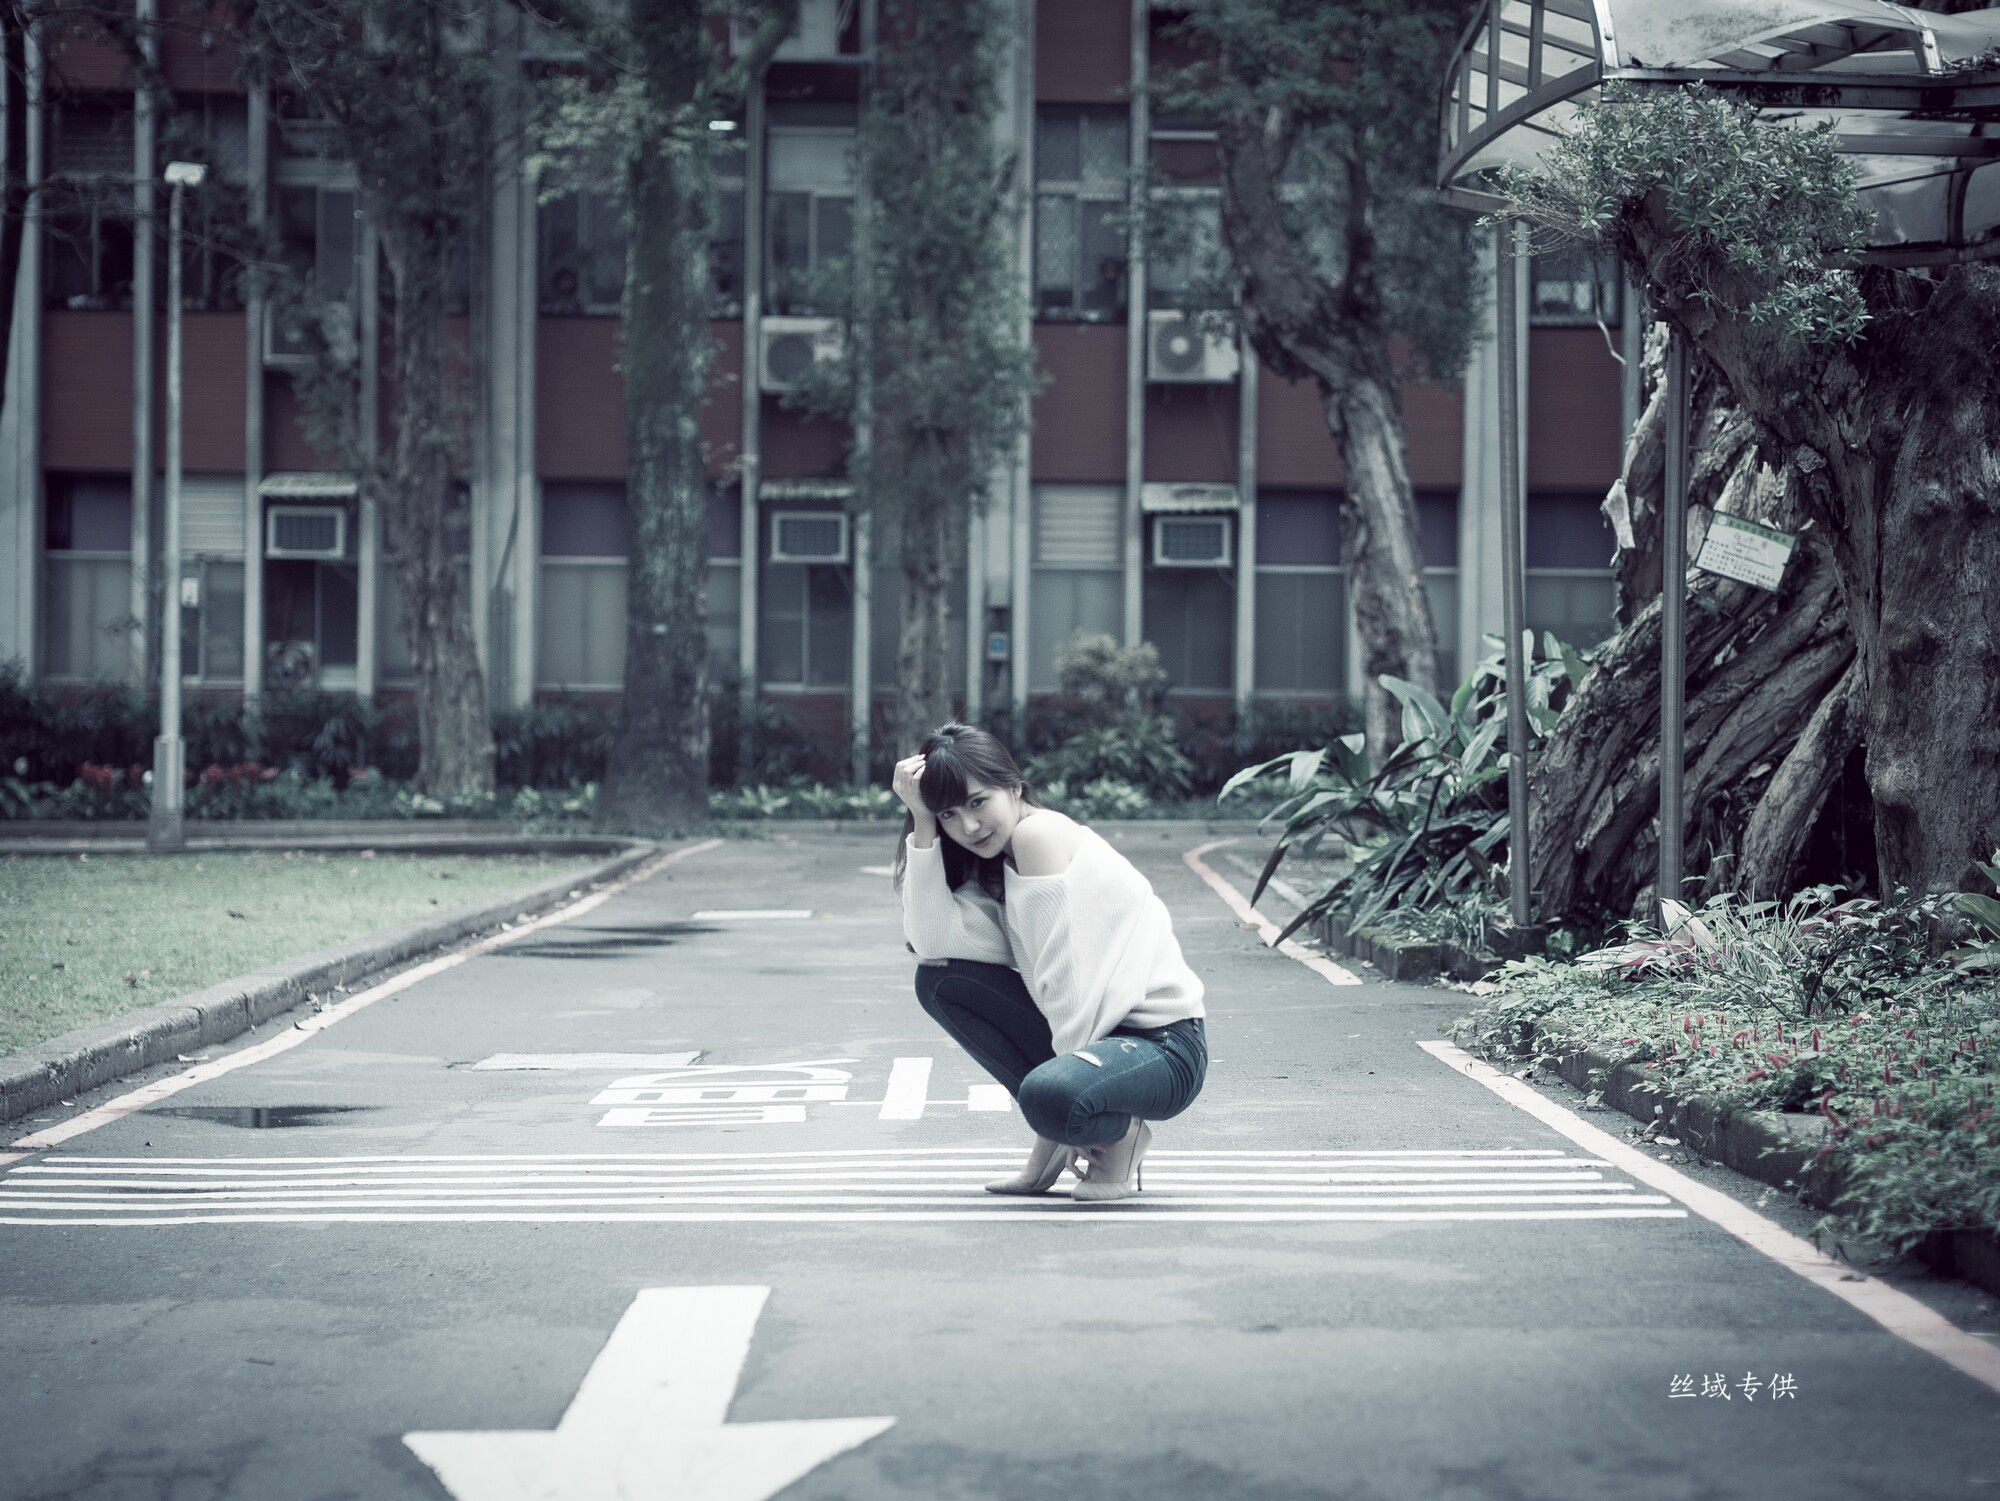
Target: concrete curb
{"points": [[1777, 1147], [1407, 959], [60, 1068]]}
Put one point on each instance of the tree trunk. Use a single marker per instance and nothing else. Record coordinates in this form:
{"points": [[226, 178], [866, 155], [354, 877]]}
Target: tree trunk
{"points": [[1889, 444], [455, 737], [657, 774], [1759, 666], [1303, 326], [930, 544]]}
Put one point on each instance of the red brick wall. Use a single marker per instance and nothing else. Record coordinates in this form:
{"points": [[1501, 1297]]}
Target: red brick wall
{"points": [[285, 446], [212, 355], [800, 446], [191, 66], [1083, 51], [87, 390], [1294, 447], [580, 399], [1574, 410], [1079, 416], [1191, 432]]}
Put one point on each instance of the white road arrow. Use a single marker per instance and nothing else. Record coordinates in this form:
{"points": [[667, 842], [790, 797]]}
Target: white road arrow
{"points": [[648, 1421]]}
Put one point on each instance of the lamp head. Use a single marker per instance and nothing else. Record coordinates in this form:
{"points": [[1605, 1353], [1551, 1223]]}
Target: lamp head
{"points": [[185, 174]]}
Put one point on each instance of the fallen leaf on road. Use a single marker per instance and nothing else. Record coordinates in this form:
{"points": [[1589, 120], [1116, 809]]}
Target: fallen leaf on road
{"points": [[234, 913]]}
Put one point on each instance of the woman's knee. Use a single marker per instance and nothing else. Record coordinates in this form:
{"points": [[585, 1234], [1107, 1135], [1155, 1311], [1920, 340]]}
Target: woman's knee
{"points": [[1051, 1099]]}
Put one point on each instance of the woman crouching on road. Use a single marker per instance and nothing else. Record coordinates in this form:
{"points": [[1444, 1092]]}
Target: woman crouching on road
{"points": [[1047, 957]]}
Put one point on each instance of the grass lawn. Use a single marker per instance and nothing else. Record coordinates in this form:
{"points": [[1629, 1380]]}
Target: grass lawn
{"points": [[84, 940]]}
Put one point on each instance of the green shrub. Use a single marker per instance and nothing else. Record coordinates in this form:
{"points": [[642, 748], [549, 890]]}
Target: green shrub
{"points": [[1839, 1009], [1109, 722], [558, 744], [1427, 828]]}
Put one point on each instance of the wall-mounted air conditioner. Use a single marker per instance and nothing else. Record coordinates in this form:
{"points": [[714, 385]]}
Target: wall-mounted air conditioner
{"points": [[1179, 348], [792, 346], [305, 532], [822, 25], [808, 537], [1191, 541]]}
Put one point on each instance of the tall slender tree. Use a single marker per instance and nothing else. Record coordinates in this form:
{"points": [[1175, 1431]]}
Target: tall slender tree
{"points": [[655, 75], [1346, 270], [406, 90], [936, 373]]}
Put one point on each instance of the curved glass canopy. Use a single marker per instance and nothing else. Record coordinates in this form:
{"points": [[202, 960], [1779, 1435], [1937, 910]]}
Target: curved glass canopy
{"points": [[1914, 98]]}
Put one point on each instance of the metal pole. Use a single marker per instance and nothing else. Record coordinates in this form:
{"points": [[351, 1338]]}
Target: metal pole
{"points": [[163, 828], [1673, 620], [1514, 590]]}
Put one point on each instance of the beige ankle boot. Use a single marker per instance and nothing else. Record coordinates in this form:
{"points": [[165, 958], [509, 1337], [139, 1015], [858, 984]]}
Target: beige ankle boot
{"points": [[1112, 1172]]}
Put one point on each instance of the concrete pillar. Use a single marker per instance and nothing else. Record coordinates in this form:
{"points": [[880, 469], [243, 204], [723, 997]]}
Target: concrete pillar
{"points": [[1135, 339], [368, 518], [20, 420], [749, 461], [145, 309], [1480, 579], [253, 404], [1246, 527], [1008, 553]]}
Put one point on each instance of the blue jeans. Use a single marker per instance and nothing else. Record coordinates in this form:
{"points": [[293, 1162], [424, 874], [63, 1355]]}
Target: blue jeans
{"points": [[1151, 1072]]}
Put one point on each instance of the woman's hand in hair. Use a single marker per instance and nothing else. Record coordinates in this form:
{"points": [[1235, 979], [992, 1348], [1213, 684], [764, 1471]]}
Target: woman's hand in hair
{"points": [[904, 785]]}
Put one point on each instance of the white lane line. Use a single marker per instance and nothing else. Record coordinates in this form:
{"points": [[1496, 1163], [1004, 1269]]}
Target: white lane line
{"points": [[1898, 1312], [983, 1153], [988, 1097], [969, 1193], [22, 1182], [1325, 968], [1061, 1212], [150, 1094], [623, 1063], [748, 914], [909, 1090], [434, 1188]]}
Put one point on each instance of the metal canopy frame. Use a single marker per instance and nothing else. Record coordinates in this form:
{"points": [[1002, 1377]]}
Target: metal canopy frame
{"points": [[1914, 102]]}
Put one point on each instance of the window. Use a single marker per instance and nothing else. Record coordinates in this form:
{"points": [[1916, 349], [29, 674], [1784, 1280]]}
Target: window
{"points": [[580, 607], [312, 620], [1190, 617], [1301, 595], [1437, 526], [805, 639], [1080, 251], [582, 255], [213, 129], [886, 611], [1568, 545], [582, 591], [1079, 573], [87, 206], [808, 214], [211, 597], [725, 251], [1574, 287], [319, 234], [1186, 269], [87, 577]]}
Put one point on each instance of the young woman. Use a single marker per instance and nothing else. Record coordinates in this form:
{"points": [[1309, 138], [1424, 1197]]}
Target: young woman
{"points": [[1047, 957]]}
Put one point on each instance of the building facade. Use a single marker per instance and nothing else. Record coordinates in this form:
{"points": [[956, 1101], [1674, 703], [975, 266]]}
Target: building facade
{"points": [[1170, 490]]}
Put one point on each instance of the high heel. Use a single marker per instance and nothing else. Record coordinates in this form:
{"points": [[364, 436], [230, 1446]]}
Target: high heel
{"points": [[1114, 1171], [1045, 1164]]}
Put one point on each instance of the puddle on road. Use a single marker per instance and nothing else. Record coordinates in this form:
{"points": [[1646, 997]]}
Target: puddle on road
{"points": [[262, 1117], [602, 943]]}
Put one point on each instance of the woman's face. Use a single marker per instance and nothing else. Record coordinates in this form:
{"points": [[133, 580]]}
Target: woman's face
{"points": [[984, 822]]}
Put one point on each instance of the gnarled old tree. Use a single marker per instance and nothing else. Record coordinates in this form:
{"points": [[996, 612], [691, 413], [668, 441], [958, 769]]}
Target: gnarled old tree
{"points": [[1343, 260], [1860, 408], [405, 91]]}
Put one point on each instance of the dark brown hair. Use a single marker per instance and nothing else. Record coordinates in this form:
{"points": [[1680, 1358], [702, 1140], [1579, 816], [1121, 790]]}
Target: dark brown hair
{"points": [[955, 754]]}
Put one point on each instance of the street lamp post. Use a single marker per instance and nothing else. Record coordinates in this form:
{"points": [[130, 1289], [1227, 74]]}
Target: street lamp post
{"points": [[163, 829]]}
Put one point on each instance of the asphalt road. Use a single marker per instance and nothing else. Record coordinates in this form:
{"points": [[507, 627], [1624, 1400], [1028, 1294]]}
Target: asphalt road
{"points": [[438, 1249]]}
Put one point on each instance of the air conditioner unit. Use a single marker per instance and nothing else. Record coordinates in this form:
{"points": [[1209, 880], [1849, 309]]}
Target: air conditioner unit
{"points": [[305, 532], [808, 537], [1191, 541], [792, 346], [1180, 349], [815, 37]]}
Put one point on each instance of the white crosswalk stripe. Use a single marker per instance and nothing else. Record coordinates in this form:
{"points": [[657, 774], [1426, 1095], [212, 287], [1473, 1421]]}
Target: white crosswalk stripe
{"points": [[826, 1185]]}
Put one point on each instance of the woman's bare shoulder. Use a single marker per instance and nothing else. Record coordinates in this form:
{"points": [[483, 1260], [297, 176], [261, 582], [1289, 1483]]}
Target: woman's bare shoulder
{"points": [[1045, 841]]}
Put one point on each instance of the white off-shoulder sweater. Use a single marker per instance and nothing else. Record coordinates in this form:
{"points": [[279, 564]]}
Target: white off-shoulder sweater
{"points": [[1094, 944]]}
